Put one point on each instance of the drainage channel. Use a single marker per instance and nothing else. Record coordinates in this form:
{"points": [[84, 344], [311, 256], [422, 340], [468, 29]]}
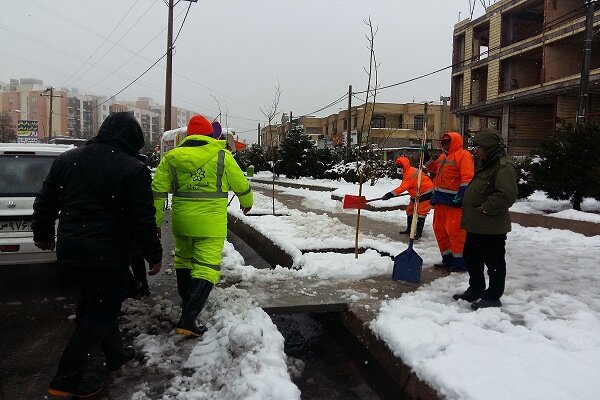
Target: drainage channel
{"points": [[319, 365], [332, 354]]}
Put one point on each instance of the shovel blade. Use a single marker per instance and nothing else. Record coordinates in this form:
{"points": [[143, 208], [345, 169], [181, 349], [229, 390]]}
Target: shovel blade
{"points": [[351, 201], [408, 266]]}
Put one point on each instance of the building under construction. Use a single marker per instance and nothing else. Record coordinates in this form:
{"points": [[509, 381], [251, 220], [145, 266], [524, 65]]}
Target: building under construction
{"points": [[523, 68]]}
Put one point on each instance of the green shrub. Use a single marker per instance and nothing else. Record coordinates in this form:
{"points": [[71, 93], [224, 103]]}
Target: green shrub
{"points": [[568, 166], [526, 182]]}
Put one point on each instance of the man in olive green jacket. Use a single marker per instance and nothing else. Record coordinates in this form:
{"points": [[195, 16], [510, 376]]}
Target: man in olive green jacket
{"points": [[199, 172], [485, 217]]}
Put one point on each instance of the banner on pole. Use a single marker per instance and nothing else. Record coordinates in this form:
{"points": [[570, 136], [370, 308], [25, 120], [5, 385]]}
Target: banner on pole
{"points": [[27, 131]]}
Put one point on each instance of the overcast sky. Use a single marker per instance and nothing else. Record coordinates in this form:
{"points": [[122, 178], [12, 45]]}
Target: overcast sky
{"points": [[233, 51]]}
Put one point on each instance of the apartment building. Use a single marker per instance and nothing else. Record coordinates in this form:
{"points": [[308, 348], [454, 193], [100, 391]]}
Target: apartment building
{"points": [[517, 68], [27, 99], [82, 115], [391, 125], [77, 115]]}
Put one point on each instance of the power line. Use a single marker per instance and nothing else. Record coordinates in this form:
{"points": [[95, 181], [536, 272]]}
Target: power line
{"points": [[546, 25], [131, 58], [148, 69], [135, 80], [333, 103], [118, 41], [100, 46], [182, 22]]}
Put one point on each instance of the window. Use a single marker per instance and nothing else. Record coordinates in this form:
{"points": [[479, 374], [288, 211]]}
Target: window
{"points": [[378, 122], [400, 121], [22, 175], [345, 124], [418, 123]]}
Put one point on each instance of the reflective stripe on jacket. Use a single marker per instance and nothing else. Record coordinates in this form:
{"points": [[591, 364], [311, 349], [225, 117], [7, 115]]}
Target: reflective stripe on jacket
{"points": [[199, 172], [453, 171], [409, 181]]}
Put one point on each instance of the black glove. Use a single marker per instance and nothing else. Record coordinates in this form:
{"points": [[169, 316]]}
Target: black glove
{"points": [[388, 196], [426, 156]]}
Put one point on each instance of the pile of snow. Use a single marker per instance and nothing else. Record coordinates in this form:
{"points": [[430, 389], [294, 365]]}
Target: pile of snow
{"points": [[240, 356]]}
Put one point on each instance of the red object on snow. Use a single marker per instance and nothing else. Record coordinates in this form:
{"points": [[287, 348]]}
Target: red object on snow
{"points": [[351, 201]]}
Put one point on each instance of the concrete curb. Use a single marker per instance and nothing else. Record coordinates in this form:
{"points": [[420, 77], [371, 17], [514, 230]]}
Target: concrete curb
{"points": [[295, 185], [388, 374], [586, 228], [265, 248]]}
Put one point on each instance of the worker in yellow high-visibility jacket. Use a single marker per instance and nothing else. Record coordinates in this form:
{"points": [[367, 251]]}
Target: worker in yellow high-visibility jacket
{"points": [[199, 172]]}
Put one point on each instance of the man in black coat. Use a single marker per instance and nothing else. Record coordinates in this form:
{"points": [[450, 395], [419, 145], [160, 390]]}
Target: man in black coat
{"points": [[101, 195]]}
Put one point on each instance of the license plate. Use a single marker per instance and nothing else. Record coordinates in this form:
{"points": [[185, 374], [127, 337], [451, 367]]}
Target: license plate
{"points": [[15, 226]]}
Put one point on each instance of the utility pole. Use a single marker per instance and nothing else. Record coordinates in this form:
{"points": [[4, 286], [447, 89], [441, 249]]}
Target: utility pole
{"points": [[582, 106], [444, 101], [349, 126], [169, 76], [425, 118], [258, 134], [169, 72], [51, 95]]}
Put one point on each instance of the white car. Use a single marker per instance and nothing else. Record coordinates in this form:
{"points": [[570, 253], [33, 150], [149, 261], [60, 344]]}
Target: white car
{"points": [[23, 168]]}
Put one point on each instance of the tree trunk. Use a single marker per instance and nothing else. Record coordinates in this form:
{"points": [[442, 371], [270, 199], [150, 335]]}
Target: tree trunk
{"points": [[576, 200]]}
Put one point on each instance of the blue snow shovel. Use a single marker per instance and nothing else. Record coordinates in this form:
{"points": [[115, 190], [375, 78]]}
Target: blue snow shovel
{"points": [[409, 264]]}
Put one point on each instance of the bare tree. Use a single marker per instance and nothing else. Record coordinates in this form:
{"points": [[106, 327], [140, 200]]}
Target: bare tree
{"points": [[219, 106], [8, 132], [270, 112], [371, 88]]}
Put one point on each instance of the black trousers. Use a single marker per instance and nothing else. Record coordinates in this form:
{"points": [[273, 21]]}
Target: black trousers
{"points": [[488, 250], [102, 294]]}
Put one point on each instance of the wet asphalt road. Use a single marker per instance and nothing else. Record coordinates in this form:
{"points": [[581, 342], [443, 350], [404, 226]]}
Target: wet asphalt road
{"points": [[35, 304]]}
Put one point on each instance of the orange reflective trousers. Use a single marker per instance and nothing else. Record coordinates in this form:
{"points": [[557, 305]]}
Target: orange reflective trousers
{"points": [[448, 234]]}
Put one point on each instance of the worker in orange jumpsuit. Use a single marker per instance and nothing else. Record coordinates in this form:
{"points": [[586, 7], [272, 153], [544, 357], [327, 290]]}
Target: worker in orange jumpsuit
{"points": [[453, 171], [409, 184]]}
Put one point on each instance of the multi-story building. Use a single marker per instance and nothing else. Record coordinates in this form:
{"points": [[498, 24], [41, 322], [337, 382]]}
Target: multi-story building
{"points": [[517, 68], [391, 125], [28, 99], [77, 115], [82, 115]]}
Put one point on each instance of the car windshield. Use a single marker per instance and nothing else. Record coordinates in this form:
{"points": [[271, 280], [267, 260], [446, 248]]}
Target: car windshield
{"points": [[23, 175]]}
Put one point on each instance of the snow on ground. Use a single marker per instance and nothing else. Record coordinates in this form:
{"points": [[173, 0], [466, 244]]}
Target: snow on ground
{"points": [[537, 203], [542, 344], [239, 357]]}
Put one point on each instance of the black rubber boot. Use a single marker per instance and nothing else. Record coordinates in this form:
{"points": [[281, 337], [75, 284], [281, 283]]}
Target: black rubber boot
{"points": [[112, 346], [69, 379], [184, 280], [420, 225], [87, 387], [467, 296], [408, 224], [199, 291]]}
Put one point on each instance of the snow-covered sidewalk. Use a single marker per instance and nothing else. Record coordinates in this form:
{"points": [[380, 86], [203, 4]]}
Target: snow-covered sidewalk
{"points": [[542, 344]]}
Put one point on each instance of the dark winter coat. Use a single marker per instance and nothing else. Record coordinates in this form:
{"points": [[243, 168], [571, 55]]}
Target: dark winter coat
{"points": [[102, 191], [493, 188]]}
